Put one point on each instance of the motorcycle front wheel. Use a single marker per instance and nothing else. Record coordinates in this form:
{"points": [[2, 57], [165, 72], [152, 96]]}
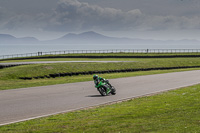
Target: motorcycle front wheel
{"points": [[102, 91], [113, 92]]}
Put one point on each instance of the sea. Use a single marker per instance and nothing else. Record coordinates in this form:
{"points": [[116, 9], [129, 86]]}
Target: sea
{"points": [[11, 49]]}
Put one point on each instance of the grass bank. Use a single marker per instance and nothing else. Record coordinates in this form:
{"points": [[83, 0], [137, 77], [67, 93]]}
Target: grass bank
{"points": [[45, 69], [9, 77], [173, 111], [17, 83]]}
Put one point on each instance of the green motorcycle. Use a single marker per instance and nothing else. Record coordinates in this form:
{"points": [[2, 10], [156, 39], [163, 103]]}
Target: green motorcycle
{"points": [[105, 88]]}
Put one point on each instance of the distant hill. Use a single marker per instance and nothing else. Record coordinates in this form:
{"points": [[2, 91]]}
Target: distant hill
{"points": [[96, 38], [86, 37], [91, 37], [9, 39], [5, 37]]}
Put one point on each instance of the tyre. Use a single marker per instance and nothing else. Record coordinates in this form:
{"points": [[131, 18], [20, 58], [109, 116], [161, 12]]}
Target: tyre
{"points": [[102, 91], [113, 92]]}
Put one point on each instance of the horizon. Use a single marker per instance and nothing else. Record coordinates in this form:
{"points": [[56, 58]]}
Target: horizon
{"points": [[93, 32]]}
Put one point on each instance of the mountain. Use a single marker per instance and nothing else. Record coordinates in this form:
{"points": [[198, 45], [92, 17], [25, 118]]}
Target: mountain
{"points": [[96, 38], [86, 37], [93, 38], [9, 39], [5, 37]]}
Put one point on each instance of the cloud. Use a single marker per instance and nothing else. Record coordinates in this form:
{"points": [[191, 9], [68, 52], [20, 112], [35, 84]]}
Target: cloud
{"points": [[4, 14], [172, 23], [72, 15], [13, 21]]}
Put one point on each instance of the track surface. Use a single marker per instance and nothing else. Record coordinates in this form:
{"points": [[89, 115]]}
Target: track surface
{"points": [[28, 103]]}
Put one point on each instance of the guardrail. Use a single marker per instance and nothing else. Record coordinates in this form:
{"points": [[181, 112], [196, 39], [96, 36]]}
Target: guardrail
{"points": [[102, 51]]}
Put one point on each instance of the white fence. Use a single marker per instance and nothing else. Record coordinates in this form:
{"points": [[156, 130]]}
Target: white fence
{"points": [[102, 51]]}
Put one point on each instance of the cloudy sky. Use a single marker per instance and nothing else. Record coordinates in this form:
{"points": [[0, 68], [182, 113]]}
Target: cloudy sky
{"points": [[155, 19]]}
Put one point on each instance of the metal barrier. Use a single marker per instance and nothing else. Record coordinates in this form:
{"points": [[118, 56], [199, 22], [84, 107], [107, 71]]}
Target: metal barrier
{"points": [[102, 51]]}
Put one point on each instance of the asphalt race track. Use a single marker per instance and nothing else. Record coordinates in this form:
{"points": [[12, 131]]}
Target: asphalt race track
{"points": [[29, 103]]}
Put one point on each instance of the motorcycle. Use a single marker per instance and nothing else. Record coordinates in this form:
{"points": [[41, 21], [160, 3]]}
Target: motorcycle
{"points": [[105, 88]]}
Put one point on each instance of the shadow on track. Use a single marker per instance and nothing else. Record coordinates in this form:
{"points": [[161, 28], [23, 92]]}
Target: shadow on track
{"points": [[94, 96]]}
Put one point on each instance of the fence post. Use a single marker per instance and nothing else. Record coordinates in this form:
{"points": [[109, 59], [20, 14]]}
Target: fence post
{"points": [[39, 53]]}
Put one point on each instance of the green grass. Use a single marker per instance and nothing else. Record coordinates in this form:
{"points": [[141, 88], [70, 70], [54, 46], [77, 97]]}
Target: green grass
{"points": [[173, 111], [45, 69], [9, 77], [16, 83]]}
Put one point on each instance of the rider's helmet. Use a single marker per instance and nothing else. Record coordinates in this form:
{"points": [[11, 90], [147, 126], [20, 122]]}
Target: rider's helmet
{"points": [[95, 77]]}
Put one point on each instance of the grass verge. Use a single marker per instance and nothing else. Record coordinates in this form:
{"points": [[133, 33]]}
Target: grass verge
{"points": [[17, 83], [172, 111], [9, 77]]}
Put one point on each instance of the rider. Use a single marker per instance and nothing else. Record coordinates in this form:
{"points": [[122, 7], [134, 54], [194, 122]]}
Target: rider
{"points": [[97, 79]]}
